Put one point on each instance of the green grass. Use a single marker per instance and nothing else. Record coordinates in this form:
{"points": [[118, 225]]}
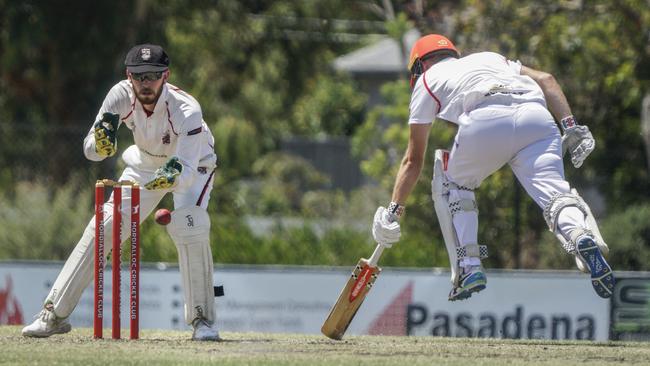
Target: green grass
{"points": [[175, 348]]}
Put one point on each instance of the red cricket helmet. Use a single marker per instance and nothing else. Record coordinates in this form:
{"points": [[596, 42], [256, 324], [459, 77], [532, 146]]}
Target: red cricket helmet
{"points": [[425, 46]]}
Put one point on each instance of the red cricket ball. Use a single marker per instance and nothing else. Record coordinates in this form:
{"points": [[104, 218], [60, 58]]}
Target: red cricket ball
{"points": [[163, 216]]}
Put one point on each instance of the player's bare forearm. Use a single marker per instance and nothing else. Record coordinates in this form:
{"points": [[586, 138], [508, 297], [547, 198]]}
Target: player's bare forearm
{"points": [[555, 99], [407, 177], [411, 166]]}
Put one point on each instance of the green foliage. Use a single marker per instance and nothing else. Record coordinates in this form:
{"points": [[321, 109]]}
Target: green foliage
{"points": [[330, 107], [233, 242], [235, 146], [628, 235], [322, 203], [38, 223], [284, 179], [267, 64], [383, 132], [52, 76]]}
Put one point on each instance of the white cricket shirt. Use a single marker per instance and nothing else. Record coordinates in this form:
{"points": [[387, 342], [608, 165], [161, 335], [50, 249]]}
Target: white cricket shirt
{"points": [[175, 128], [453, 86]]}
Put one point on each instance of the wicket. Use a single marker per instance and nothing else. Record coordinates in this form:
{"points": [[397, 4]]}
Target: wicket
{"points": [[134, 265]]}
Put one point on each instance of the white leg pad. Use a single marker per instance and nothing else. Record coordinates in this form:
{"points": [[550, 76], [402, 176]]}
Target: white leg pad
{"points": [[78, 271], [551, 213], [76, 274], [190, 230], [445, 211]]}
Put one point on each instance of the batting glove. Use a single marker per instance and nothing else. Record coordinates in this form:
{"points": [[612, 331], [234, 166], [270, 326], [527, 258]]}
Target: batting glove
{"points": [[165, 176], [385, 227], [577, 140], [105, 131]]}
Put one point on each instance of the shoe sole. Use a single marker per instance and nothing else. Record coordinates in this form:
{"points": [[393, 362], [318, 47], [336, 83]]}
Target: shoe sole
{"points": [[477, 286], [602, 278]]}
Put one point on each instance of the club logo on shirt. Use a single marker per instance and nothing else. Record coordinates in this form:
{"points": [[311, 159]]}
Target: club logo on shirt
{"points": [[166, 139], [146, 54]]}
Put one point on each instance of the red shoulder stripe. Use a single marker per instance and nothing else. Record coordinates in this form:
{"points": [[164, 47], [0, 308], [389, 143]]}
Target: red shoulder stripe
{"points": [[169, 118], [131, 112], [430, 92]]}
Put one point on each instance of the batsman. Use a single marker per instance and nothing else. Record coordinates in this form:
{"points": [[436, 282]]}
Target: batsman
{"points": [[506, 113], [173, 153]]}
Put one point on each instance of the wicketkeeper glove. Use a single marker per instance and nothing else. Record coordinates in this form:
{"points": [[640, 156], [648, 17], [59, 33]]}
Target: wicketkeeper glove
{"points": [[165, 176], [577, 140], [385, 227], [106, 134]]}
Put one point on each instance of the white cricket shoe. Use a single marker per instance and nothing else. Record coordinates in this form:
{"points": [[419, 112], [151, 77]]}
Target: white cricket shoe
{"points": [[47, 324], [472, 279], [204, 330]]}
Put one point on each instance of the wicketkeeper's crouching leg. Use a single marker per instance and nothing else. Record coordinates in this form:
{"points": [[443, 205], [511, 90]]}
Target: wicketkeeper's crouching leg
{"points": [[76, 274], [67, 289], [583, 241], [458, 217], [190, 230]]}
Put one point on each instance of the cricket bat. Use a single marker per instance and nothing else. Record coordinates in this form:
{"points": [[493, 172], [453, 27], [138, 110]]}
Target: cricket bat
{"points": [[361, 280]]}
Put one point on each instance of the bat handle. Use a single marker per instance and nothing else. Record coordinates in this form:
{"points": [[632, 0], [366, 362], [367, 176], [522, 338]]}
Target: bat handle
{"points": [[372, 262]]}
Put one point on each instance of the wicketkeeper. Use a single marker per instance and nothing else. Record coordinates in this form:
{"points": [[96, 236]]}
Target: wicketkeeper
{"points": [[173, 152], [505, 115]]}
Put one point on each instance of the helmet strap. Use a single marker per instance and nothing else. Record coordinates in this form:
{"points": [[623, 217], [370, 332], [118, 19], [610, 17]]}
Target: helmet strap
{"points": [[416, 71]]}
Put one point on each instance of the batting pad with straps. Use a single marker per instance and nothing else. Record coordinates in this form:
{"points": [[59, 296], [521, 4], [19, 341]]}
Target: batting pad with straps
{"points": [[445, 210], [190, 230], [557, 203]]}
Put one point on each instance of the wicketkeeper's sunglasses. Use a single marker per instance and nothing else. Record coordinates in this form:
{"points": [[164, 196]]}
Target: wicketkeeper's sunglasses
{"points": [[151, 76]]}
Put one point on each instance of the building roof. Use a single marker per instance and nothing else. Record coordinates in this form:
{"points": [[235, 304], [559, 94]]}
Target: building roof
{"points": [[383, 56]]}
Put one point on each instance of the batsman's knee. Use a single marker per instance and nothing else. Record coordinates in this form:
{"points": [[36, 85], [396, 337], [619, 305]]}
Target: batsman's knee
{"points": [[552, 211]]}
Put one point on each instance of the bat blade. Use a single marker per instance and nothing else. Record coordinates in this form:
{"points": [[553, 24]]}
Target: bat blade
{"points": [[355, 291]]}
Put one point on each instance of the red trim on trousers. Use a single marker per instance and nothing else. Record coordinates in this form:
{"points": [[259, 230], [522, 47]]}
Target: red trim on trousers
{"points": [[205, 188]]}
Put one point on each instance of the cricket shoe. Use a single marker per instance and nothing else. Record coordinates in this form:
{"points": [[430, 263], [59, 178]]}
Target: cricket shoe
{"points": [[471, 280], [204, 330], [602, 278], [47, 324]]}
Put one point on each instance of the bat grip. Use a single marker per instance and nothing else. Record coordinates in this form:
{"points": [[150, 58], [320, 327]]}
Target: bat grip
{"points": [[372, 262]]}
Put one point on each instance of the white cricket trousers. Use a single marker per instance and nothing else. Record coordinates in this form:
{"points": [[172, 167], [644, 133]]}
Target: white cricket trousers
{"points": [[77, 271], [523, 136]]}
